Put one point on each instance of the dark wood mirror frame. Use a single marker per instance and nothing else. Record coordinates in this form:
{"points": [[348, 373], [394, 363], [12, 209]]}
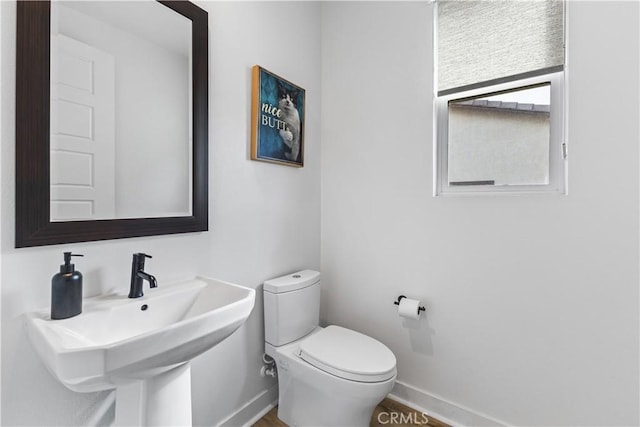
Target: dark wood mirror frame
{"points": [[33, 225]]}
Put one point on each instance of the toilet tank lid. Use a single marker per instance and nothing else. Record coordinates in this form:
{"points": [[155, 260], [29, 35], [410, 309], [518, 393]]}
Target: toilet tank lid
{"points": [[292, 282]]}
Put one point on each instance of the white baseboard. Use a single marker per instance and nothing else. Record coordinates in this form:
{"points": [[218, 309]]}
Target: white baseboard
{"points": [[420, 400], [253, 410], [447, 412]]}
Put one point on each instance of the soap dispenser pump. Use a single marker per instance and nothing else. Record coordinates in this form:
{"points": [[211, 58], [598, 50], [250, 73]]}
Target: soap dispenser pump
{"points": [[66, 290]]}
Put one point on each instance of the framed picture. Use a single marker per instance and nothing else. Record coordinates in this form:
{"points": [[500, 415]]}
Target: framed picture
{"points": [[277, 119]]}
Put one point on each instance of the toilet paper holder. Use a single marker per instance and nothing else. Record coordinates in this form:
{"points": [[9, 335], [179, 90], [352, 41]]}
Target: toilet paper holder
{"points": [[400, 299]]}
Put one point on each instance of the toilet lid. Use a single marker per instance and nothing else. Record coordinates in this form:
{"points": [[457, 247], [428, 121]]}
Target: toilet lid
{"points": [[348, 354]]}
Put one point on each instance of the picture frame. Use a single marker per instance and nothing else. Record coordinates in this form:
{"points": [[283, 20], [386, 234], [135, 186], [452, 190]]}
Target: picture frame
{"points": [[277, 119]]}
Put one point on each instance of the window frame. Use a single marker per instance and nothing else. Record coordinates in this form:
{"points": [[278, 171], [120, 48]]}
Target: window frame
{"points": [[557, 139]]}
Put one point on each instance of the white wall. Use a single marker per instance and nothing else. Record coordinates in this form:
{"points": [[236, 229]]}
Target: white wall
{"points": [[3, 47], [265, 220], [266, 217], [532, 302]]}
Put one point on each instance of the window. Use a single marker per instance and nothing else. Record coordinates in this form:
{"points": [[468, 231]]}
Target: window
{"points": [[498, 132]]}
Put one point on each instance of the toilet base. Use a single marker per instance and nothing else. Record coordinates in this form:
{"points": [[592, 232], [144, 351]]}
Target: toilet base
{"points": [[305, 405], [309, 396]]}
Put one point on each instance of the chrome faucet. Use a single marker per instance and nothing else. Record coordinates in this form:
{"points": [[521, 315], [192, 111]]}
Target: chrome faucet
{"points": [[138, 275]]}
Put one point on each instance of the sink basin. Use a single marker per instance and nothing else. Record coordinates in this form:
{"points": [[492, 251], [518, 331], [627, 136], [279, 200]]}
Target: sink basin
{"points": [[117, 341]]}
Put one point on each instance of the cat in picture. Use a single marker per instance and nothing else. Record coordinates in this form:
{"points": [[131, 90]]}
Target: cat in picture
{"points": [[291, 117]]}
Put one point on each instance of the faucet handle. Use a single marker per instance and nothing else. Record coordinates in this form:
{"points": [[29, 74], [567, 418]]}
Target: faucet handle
{"points": [[138, 260]]}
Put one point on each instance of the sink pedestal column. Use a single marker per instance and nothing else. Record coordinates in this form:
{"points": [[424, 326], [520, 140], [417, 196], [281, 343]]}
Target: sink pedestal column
{"points": [[162, 400]]}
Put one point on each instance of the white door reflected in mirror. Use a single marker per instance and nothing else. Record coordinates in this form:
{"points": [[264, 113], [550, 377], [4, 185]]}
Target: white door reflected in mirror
{"points": [[121, 120]]}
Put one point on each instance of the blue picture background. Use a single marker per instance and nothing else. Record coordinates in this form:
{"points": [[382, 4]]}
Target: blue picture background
{"points": [[271, 145]]}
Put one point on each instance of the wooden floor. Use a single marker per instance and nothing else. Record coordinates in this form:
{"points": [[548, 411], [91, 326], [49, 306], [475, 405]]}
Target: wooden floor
{"points": [[388, 413]]}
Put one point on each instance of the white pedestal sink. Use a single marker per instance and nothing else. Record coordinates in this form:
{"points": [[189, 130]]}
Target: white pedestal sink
{"points": [[142, 346]]}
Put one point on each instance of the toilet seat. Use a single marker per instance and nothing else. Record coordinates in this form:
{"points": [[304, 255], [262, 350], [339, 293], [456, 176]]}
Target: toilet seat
{"points": [[348, 354]]}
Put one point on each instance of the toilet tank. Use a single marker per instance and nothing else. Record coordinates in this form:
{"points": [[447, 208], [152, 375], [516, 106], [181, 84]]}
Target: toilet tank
{"points": [[291, 306]]}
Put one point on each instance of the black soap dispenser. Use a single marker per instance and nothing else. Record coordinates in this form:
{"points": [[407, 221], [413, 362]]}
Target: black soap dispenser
{"points": [[66, 290]]}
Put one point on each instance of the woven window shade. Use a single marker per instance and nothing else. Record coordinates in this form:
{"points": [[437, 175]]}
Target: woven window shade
{"points": [[482, 42]]}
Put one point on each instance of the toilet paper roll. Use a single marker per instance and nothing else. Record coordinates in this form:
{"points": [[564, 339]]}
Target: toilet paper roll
{"points": [[409, 308]]}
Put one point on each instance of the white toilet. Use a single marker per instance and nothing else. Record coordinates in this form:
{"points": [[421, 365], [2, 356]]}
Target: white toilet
{"points": [[329, 376]]}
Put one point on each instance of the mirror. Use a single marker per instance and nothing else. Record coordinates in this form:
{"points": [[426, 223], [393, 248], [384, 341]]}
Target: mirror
{"points": [[119, 150], [500, 139], [111, 120]]}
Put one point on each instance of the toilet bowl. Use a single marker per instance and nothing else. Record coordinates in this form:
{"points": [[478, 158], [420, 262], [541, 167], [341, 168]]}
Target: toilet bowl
{"points": [[329, 376]]}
